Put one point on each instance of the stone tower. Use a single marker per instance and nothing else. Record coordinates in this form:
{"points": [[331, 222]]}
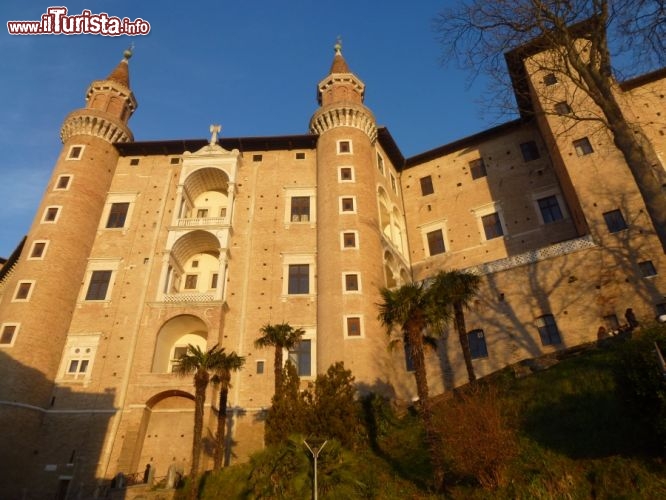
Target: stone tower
{"points": [[350, 246], [48, 275]]}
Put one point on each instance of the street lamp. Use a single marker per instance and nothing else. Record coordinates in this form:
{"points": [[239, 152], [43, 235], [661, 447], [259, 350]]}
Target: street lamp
{"points": [[315, 454]]}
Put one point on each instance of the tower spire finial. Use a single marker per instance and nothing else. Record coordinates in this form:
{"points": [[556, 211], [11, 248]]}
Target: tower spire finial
{"points": [[338, 45], [128, 52]]}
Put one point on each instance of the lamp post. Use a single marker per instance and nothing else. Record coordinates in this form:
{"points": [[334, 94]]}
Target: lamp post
{"points": [[315, 454]]}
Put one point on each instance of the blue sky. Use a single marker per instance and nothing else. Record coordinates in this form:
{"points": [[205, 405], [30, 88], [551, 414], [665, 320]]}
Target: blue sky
{"points": [[251, 66]]}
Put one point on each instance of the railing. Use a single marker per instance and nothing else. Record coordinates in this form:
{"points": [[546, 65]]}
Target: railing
{"points": [[533, 256], [188, 297], [202, 221]]}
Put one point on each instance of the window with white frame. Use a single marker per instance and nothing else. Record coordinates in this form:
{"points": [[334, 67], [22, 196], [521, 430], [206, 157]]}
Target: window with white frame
{"points": [[23, 291], [351, 282], [8, 332], [78, 358], [99, 280], [344, 147], [117, 211], [298, 274], [300, 205], [75, 152], [38, 249], [549, 205], [349, 240], [491, 221], [347, 204], [62, 182], [346, 174], [434, 237], [353, 326], [51, 215]]}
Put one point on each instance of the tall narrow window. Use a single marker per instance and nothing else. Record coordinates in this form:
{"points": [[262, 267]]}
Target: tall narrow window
{"points": [[477, 168], [117, 215], [550, 209], [426, 185], [436, 242], [299, 279], [529, 151], [380, 164], [300, 208], [548, 331], [301, 357], [98, 286], [7, 334], [477, 344], [492, 226]]}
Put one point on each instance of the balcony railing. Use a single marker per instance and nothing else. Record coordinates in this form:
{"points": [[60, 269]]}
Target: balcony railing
{"points": [[176, 298], [562, 248], [202, 221]]}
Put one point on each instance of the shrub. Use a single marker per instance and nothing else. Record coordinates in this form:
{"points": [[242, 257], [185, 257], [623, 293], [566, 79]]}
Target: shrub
{"points": [[476, 436]]}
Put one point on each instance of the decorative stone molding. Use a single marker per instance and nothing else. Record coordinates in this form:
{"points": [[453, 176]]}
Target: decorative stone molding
{"points": [[345, 116], [91, 122], [533, 256]]}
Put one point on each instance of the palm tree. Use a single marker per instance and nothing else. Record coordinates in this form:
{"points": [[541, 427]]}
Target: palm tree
{"points": [[228, 363], [416, 309], [201, 364], [282, 336], [457, 288]]}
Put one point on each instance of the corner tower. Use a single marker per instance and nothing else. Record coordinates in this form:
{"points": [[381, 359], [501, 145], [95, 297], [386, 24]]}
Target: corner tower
{"points": [[349, 244], [38, 299]]}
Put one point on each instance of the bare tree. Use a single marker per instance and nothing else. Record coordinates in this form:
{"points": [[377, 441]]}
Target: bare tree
{"points": [[575, 35]]}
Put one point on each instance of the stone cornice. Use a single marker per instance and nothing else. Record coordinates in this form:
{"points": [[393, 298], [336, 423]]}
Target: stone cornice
{"points": [[344, 116], [95, 123]]}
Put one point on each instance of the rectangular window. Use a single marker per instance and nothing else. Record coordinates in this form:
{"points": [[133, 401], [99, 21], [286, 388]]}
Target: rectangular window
{"points": [[300, 208], [178, 352], [191, 282], [647, 269], [51, 214], [349, 240], [353, 326], [260, 367], [213, 281], [550, 209], [77, 366], [299, 279], [75, 153], [529, 151], [492, 226], [550, 79], [346, 174], [256, 158], [7, 335], [351, 282], [380, 164], [426, 185], [583, 146], [477, 344], [134, 162], [300, 156], [23, 290], [347, 204], [393, 184], [436, 242], [615, 221], [63, 182], [344, 147], [98, 286], [562, 108], [301, 357], [174, 161], [38, 248], [117, 215], [477, 168], [202, 213], [548, 331]]}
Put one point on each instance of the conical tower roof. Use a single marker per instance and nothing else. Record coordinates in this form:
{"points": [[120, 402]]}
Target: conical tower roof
{"points": [[339, 64], [120, 73]]}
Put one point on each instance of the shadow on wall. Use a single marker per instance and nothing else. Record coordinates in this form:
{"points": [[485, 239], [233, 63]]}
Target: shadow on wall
{"points": [[50, 452]]}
